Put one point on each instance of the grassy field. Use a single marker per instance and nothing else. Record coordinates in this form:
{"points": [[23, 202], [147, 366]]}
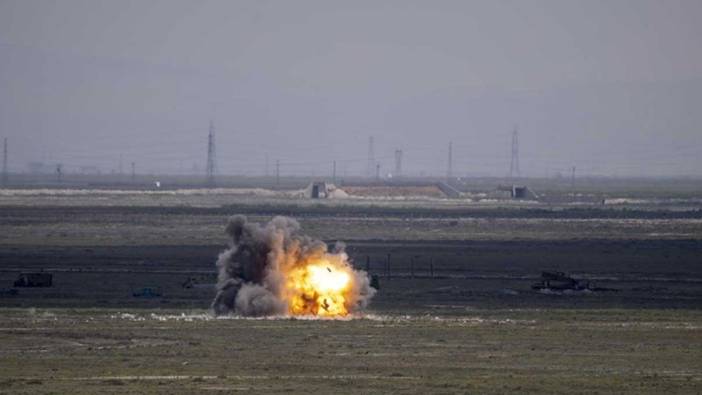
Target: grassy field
{"points": [[460, 351], [455, 312], [90, 225]]}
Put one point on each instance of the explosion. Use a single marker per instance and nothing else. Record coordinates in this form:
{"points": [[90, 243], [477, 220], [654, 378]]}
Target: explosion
{"points": [[276, 270], [316, 289]]}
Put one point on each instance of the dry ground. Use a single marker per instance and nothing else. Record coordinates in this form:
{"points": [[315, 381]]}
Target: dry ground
{"points": [[476, 326], [491, 351], [93, 225]]}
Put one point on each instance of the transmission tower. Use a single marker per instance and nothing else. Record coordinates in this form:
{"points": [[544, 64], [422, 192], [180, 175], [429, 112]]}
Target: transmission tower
{"points": [[211, 155], [514, 163], [572, 181], [277, 172], [371, 158], [4, 162], [398, 162], [334, 172], [449, 171]]}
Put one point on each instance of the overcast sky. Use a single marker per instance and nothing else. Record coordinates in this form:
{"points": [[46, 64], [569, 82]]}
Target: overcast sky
{"points": [[612, 87]]}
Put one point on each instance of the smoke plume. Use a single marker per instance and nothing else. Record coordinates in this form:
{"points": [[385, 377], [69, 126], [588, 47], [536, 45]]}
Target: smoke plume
{"points": [[274, 269]]}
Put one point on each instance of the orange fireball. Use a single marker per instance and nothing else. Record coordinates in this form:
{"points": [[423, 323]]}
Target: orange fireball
{"points": [[319, 288]]}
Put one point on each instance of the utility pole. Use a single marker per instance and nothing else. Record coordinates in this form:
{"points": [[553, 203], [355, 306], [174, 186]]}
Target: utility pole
{"points": [[449, 171], [371, 157], [398, 162], [4, 162], [211, 155], [277, 172], [514, 163], [133, 172], [334, 172], [572, 181], [377, 172]]}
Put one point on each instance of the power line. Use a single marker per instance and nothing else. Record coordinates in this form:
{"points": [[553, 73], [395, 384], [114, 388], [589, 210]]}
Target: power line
{"points": [[211, 155], [371, 157], [514, 162], [334, 172], [277, 172], [449, 171], [4, 162], [572, 181], [398, 162]]}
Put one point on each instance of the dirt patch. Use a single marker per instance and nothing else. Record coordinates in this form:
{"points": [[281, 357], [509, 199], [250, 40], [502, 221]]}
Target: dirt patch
{"points": [[395, 191]]}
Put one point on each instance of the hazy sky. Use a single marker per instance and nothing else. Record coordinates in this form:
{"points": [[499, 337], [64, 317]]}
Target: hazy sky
{"points": [[612, 87]]}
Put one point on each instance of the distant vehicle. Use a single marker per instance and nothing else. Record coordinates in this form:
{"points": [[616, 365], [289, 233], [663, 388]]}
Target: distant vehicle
{"points": [[560, 281], [147, 293], [198, 282], [34, 280], [375, 281]]}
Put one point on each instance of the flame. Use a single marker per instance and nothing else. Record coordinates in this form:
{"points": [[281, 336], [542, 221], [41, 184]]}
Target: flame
{"points": [[321, 287]]}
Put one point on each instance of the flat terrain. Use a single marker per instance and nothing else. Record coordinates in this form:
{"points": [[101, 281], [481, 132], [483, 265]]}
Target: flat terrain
{"points": [[495, 274], [147, 225], [455, 312], [491, 351]]}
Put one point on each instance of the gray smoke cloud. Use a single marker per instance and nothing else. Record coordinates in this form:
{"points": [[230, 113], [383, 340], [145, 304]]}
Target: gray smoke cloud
{"points": [[252, 272]]}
